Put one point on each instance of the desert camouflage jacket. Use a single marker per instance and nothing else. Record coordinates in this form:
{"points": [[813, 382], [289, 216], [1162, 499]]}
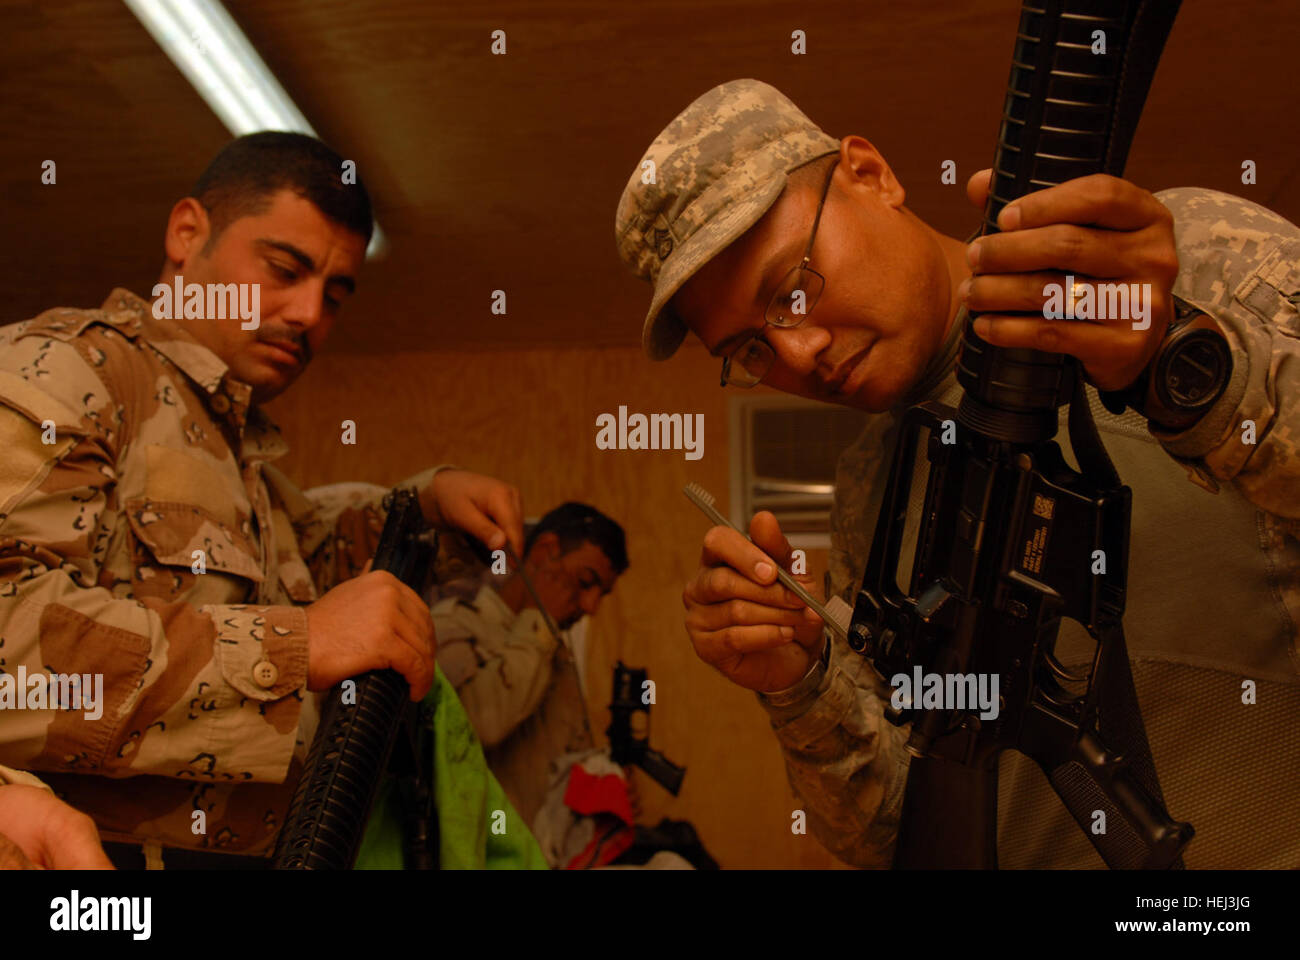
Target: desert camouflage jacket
{"points": [[1214, 589], [519, 685], [146, 536]]}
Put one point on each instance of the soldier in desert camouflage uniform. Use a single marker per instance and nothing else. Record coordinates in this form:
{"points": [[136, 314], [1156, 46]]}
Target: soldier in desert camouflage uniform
{"points": [[519, 682], [1214, 583], [146, 535]]}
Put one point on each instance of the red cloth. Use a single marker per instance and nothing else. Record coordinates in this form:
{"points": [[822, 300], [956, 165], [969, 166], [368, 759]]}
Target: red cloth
{"points": [[605, 799], [590, 795]]}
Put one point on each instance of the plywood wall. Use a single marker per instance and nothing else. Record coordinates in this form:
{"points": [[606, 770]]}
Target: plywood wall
{"points": [[529, 416]]}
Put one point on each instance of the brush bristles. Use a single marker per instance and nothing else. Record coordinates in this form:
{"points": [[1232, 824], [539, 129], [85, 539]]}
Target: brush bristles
{"points": [[701, 493]]}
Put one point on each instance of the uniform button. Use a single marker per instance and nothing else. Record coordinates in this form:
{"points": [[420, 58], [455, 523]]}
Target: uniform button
{"points": [[265, 673], [220, 403]]}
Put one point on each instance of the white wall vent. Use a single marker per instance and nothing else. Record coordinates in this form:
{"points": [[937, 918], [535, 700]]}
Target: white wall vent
{"points": [[783, 455]]}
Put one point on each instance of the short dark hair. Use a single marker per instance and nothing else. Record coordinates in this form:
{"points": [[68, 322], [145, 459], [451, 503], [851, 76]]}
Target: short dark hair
{"points": [[812, 175], [242, 178], [577, 523]]}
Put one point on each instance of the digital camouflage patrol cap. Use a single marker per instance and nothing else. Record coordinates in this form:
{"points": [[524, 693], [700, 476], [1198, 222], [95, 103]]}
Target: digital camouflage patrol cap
{"points": [[716, 170]]}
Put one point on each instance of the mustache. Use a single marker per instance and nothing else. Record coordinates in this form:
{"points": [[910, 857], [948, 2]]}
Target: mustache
{"points": [[271, 333]]}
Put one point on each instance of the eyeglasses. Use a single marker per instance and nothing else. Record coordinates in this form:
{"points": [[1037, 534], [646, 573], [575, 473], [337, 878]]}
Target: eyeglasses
{"points": [[794, 298]]}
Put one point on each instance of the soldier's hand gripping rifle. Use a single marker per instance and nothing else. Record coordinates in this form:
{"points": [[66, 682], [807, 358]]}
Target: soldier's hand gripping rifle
{"points": [[357, 735], [1010, 535], [625, 747]]}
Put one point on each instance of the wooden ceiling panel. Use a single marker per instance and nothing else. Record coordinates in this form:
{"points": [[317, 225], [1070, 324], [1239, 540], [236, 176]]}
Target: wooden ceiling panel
{"points": [[503, 172]]}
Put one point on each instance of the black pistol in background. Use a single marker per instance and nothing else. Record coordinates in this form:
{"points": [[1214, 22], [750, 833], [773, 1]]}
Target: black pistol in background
{"points": [[627, 748]]}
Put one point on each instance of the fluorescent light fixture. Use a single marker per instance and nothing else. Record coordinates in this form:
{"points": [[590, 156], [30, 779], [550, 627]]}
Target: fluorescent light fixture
{"points": [[208, 47]]}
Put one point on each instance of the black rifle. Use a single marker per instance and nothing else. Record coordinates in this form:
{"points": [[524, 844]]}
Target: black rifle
{"points": [[358, 731], [625, 747], [1008, 538]]}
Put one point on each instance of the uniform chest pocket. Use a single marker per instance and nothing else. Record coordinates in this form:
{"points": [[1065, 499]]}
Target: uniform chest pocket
{"points": [[186, 519], [1272, 292], [188, 535]]}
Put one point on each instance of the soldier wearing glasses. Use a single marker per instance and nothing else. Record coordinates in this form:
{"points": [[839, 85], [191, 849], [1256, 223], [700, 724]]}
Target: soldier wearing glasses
{"points": [[792, 256]]}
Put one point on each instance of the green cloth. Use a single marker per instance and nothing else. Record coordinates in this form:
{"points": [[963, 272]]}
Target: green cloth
{"points": [[477, 826]]}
